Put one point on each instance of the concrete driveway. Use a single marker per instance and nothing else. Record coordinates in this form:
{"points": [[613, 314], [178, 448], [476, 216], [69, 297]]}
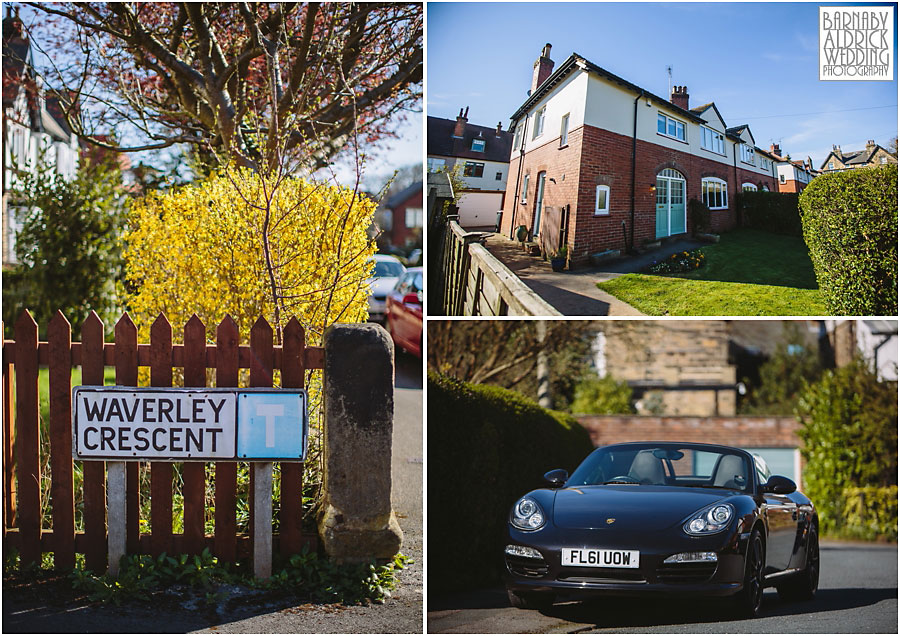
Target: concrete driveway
{"points": [[575, 293]]}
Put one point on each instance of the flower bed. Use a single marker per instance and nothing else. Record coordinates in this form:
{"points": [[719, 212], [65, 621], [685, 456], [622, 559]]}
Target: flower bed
{"points": [[678, 262]]}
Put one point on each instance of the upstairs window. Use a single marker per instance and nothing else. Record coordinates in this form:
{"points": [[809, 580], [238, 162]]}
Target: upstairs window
{"points": [[539, 122], [669, 127], [524, 196], [564, 131], [413, 217], [435, 164], [883, 160], [712, 140], [478, 145], [831, 166], [499, 177], [715, 193], [518, 138], [747, 154], [781, 178], [473, 169]]}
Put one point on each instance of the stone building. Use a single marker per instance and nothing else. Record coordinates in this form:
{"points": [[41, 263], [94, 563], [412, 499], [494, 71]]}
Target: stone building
{"points": [[872, 155], [673, 367]]}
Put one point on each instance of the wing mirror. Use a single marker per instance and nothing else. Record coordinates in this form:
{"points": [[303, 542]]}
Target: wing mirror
{"points": [[779, 485], [556, 477]]}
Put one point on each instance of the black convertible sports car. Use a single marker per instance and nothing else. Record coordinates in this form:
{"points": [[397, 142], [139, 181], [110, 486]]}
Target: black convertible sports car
{"points": [[663, 518]]}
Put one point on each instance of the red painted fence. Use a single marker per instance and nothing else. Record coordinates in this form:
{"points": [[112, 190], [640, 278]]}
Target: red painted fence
{"points": [[22, 358]]}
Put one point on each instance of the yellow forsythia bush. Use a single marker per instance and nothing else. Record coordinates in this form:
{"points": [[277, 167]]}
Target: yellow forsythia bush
{"points": [[199, 249]]}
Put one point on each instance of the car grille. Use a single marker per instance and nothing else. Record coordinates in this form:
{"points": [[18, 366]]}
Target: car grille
{"points": [[532, 568], [601, 575], [685, 572]]}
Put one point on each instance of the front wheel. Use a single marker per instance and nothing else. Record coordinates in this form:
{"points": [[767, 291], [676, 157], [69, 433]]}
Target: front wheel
{"points": [[530, 600], [803, 587], [749, 600]]}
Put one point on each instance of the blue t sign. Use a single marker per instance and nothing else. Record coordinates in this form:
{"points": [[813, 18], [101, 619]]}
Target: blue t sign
{"points": [[271, 426]]}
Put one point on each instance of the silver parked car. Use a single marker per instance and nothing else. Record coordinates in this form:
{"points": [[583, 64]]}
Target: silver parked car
{"points": [[388, 269]]}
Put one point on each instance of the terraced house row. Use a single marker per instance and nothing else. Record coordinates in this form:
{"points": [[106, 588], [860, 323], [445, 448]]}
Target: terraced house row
{"points": [[599, 163]]}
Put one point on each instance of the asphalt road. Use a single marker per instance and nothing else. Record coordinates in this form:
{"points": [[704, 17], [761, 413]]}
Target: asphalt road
{"points": [[51, 606], [857, 594]]}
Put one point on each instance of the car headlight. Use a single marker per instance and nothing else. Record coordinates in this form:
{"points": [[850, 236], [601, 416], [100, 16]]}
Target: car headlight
{"points": [[527, 515], [710, 520]]}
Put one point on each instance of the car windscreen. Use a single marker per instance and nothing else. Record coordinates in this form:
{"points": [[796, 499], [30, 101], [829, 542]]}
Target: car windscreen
{"points": [[664, 465], [384, 269]]}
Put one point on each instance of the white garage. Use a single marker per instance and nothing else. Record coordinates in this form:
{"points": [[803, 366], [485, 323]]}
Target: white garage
{"points": [[478, 210]]}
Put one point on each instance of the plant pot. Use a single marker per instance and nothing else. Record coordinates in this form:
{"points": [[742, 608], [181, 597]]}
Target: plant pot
{"points": [[522, 233], [558, 264]]}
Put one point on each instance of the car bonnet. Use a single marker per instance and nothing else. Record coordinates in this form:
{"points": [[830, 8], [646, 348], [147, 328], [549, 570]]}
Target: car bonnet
{"points": [[638, 508]]}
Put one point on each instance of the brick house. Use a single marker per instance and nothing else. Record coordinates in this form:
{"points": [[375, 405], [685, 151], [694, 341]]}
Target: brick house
{"points": [[618, 164], [484, 154], [402, 221], [873, 155], [792, 175]]}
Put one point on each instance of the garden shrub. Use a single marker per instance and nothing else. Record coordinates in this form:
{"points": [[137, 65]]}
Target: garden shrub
{"points": [[700, 216], [849, 433], [850, 226], [487, 447], [777, 212], [198, 249], [870, 513], [602, 396]]}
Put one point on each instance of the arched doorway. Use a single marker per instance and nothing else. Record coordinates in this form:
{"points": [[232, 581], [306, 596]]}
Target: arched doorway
{"points": [[671, 215]]}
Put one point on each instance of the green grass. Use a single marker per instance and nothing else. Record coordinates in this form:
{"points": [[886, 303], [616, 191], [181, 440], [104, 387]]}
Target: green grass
{"points": [[749, 273]]}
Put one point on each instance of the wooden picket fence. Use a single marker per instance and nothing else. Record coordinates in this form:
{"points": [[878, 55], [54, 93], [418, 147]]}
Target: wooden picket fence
{"points": [[22, 357]]}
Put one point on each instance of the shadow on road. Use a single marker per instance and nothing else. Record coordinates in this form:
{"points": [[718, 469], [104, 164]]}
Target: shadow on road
{"points": [[626, 612], [407, 370], [635, 612]]}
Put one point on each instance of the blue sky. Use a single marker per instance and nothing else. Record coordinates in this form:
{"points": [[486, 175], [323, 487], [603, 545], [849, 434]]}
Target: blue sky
{"points": [[757, 61]]}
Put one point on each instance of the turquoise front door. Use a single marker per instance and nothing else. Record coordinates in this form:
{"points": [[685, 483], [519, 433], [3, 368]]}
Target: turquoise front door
{"points": [[677, 219], [670, 205], [662, 208]]}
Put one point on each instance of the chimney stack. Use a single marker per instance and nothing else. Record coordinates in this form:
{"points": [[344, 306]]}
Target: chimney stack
{"points": [[499, 128], [870, 145], [459, 130], [775, 149], [837, 151], [680, 96], [543, 66]]}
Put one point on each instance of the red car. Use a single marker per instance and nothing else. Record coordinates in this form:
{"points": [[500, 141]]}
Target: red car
{"points": [[404, 312]]}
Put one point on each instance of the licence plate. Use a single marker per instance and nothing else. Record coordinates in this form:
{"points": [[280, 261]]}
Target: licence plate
{"points": [[584, 557]]}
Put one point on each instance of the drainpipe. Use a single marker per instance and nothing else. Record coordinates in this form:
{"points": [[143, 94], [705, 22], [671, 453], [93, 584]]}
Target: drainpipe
{"points": [[512, 227], [736, 210], [630, 246]]}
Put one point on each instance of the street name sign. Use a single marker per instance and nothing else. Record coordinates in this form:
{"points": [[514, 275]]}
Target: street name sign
{"points": [[189, 424]]}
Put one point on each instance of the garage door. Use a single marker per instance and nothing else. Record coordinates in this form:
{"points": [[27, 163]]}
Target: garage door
{"points": [[478, 210]]}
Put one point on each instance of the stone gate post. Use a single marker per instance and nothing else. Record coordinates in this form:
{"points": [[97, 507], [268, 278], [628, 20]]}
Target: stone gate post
{"points": [[356, 522]]}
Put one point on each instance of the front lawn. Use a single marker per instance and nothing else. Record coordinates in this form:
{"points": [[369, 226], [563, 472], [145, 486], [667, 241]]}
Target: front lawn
{"points": [[749, 273]]}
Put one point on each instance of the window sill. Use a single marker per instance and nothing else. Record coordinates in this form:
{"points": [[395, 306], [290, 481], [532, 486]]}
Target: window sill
{"points": [[566, 145], [712, 152], [676, 139], [717, 209], [601, 213]]}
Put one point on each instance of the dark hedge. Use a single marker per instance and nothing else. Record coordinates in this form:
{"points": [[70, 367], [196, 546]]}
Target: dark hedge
{"points": [[487, 446], [777, 212], [850, 226]]}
